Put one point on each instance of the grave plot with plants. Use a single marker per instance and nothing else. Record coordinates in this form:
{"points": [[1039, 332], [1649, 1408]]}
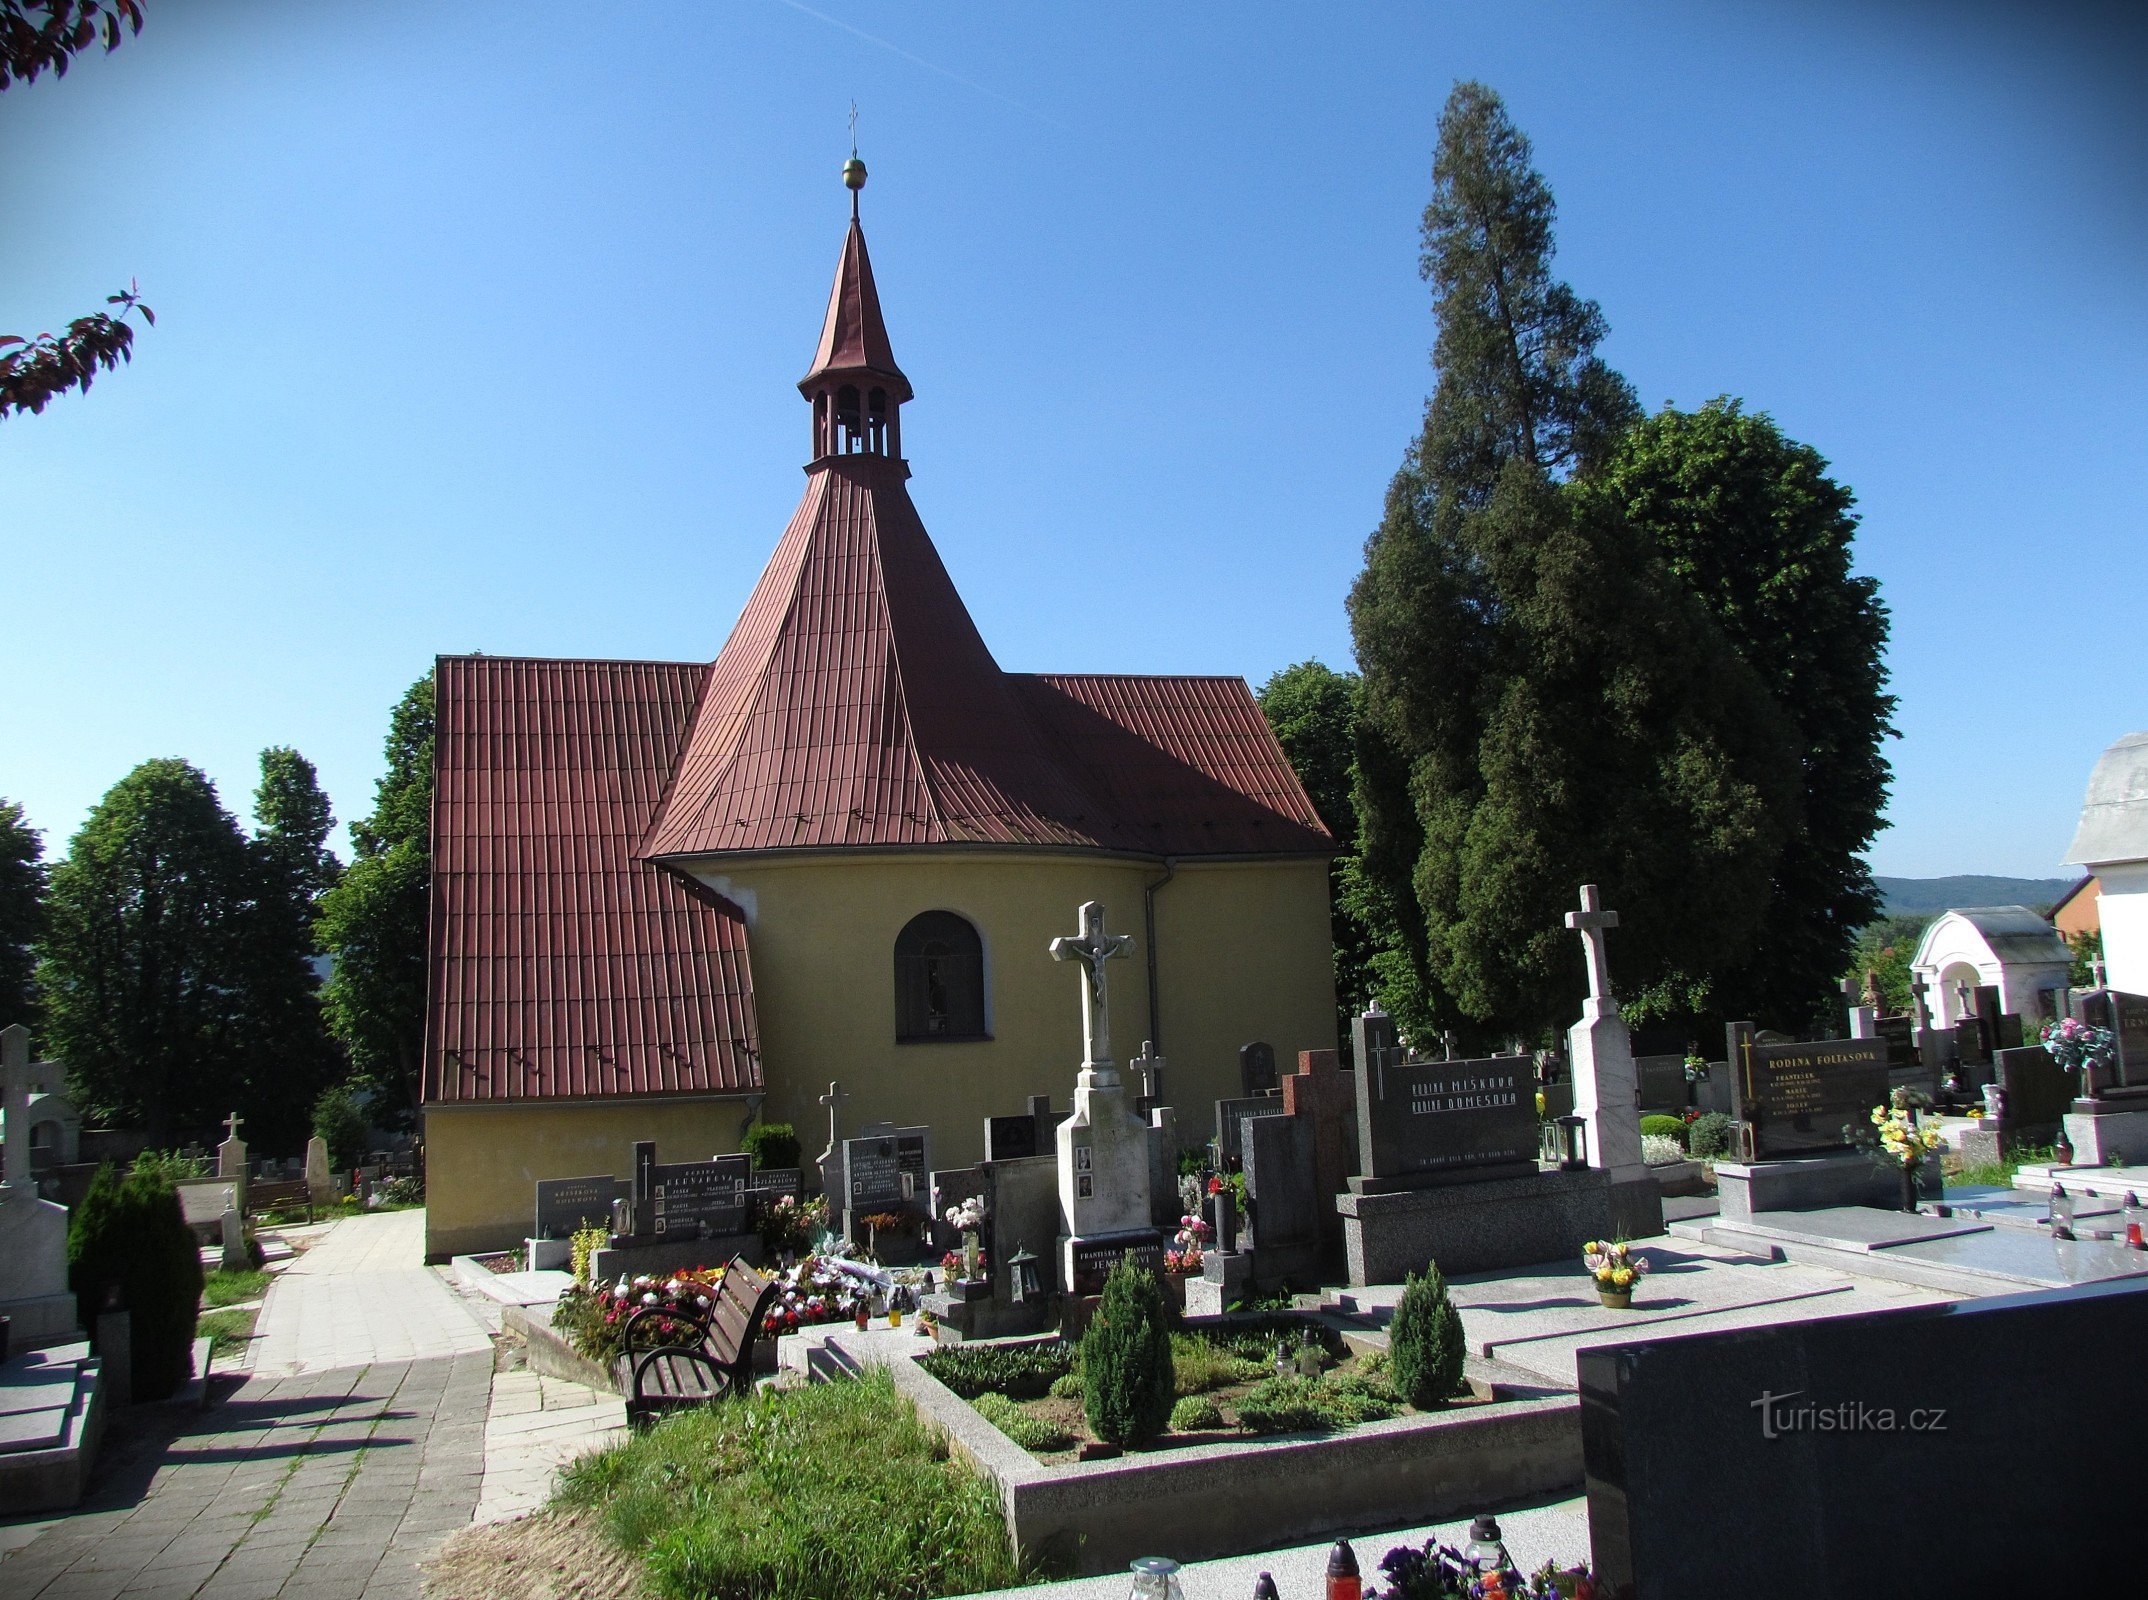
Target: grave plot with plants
{"points": [[1138, 1380]]}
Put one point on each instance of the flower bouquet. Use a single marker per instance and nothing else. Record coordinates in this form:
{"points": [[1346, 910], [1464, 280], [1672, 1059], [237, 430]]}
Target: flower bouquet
{"points": [[1899, 1142], [967, 1217], [594, 1320], [2081, 1047], [1614, 1266]]}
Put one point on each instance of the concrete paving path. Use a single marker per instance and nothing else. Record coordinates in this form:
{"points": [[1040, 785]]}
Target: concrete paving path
{"points": [[538, 1425], [362, 1294], [327, 1485]]}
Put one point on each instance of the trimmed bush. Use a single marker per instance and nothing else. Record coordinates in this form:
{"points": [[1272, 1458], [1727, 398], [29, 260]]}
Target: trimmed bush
{"points": [[1031, 1433], [1424, 1342], [771, 1144], [1708, 1135], [1195, 1414], [1067, 1386], [1665, 1127], [129, 1237], [1126, 1372]]}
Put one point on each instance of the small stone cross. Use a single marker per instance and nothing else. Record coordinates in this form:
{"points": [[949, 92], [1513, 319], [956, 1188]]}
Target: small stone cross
{"points": [[232, 1125], [1149, 1065], [1590, 922], [1446, 1044], [1092, 947], [1919, 987], [2095, 970], [833, 1100]]}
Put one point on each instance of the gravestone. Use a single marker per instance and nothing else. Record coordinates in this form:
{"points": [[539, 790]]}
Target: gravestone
{"points": [[1971, 1045], [1282, 1186], [2126, 1016], [565, 1206], [774, 1183], [320, 1182], [884, 1170], [1852, 1429], [1103, 1147], [1011, 1138], [1796, 1099], [2036, 1092], [1899, 1035], [1663, 1083], [1326, 1096], [829, 1161], [33, 1232], [1230, 1154], [203, 1201], [1256, 1069], [231, 1229], [231, 1154], [1148, 1070], [1447, 1168], [688, 1199], [1607, 1090]]}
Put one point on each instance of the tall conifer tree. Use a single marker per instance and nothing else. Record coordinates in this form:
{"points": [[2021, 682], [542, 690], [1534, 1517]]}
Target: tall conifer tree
{"points": [[1543, 704], [22, 911]]}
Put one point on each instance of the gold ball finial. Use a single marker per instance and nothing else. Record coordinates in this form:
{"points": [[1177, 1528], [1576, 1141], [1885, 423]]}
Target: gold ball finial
{"points": [[853, 174]]}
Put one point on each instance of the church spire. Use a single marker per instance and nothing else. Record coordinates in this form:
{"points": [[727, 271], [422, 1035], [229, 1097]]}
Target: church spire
{"points": [[855, 387]]}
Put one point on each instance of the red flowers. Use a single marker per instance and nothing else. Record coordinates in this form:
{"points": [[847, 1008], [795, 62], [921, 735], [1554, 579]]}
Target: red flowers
{"points": [[1215, 1186]]}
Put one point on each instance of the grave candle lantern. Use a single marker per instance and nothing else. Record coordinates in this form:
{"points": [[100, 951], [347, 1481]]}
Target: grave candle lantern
{"points": [[1022, 1277], [1156, 1578]]}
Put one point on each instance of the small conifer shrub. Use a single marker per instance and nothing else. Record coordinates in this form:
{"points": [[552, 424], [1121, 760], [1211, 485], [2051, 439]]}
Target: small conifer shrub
{"points": [[1424, 1342], [1126, 1375]]}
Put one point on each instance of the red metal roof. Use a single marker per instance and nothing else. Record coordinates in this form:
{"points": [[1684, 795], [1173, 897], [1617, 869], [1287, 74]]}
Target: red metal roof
{"points": [[562, 966], [854, 336]]}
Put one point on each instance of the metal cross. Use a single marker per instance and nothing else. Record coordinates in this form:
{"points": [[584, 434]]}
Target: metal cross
{"points": [[1092, 947], [1590, 922]]}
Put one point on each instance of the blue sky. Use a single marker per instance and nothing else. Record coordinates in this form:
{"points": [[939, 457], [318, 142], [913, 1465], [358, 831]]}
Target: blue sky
{"points": [[478, 329]]}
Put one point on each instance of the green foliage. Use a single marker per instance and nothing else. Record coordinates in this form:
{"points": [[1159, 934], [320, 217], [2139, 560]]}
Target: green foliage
{"points": [[128, 1236], [579, 1317], [1708, 1135], [1255, 1338], [373, 921], [1673, 1128], [170, 1166], [226, 1331], [1312, 710], [342, 1123], [1885, 949], [771, 1144], [585, 1243], [144, 967], [1126, 1359], [1199, 1364], [2087, 949], [1543, 704], [1023, 1371], [1030, 1432], [827, 1489], [1749, 521], [22, 912], [1296, 1405], [1196, 1413], [1425, 1346], [1067, 1386], [286, 1054]]}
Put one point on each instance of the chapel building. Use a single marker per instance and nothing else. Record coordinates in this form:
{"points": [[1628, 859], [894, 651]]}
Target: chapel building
{"points": [[669, 898]]}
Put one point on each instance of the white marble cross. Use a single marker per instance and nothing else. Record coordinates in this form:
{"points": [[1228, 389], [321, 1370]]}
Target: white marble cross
{"points": [[1148, 1068], [15, 1097], [1092, 947], [232, 1125], [1590, 922]]}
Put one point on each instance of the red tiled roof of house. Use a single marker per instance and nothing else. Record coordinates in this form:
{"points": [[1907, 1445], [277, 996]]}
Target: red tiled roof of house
{"points": [[562, 966]]}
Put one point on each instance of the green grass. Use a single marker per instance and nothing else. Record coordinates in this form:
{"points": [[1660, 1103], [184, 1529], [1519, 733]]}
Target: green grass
{"points": [[226, 1331], [221, 1288], [798, 1494], [1199, 1364], [1292, 1405], [1031, 1433], [2000, 1174], [1023, 1371]]}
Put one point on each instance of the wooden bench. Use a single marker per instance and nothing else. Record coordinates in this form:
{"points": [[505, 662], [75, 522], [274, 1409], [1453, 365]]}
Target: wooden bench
{"points": [[284, 1196], [689, 1357]]}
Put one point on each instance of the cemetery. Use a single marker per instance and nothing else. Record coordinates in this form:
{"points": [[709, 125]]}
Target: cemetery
{"points": [[831, 1115]]}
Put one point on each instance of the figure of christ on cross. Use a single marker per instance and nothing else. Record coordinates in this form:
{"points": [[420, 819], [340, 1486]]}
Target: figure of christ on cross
{"points": [[1591, 922], [1092, 947]]}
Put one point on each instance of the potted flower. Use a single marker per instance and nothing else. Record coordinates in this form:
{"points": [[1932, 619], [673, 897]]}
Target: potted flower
{"points": [[967, 1218], [1614, 1266]]}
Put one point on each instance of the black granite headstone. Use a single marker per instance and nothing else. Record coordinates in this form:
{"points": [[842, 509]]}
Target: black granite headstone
{"points": [[1972, 1047], [2038, 1092], [1798, 1098], [1010, 1138], [1427, 1122], [1229, 1114], [1094, 1258], [1256, 1069], [1853, 1431], [567, 1204], [1899, 1034], [872, 1174], [2126, 1015], [698, 1199], [1663, 1082]]}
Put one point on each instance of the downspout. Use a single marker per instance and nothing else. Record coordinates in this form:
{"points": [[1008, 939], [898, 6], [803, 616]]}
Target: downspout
{"points": [[1148, 916]]}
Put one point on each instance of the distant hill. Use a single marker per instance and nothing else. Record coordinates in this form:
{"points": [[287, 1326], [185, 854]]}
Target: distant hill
{"points": [[1924, 897]]}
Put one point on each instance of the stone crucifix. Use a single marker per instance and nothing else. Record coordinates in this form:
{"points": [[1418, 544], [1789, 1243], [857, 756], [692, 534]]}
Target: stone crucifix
{"points": [[1918, 988], [1092, 947], [833, 1100], [232, 1124], [1592, 921]]}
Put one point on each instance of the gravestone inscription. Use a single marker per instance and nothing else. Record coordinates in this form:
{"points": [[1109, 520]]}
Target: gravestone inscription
{"points": [[565, 1205], [1663, 1082], [1900, 1037], [1094, 1259], [697, 1198], [1230, 1151], [1797, 1098], [2126, 1015], [1426, 1122]]}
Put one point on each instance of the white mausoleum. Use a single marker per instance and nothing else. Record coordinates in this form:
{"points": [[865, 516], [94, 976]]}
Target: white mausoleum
{"points": [[2112, 843], [2009, 947]]}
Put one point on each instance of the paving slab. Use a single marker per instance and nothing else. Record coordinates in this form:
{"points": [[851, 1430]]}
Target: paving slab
{"points": [[362, 1295], [1858, 1227]]}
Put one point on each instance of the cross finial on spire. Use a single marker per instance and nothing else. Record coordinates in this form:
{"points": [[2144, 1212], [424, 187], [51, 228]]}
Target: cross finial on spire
{"points": [[854, 169]]}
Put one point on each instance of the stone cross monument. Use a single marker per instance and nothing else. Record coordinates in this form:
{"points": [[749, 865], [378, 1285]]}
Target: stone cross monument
{"points": [[33, 1232], [1607, 1086], [231, 1154], [833, 1181], [1104, 1146]]}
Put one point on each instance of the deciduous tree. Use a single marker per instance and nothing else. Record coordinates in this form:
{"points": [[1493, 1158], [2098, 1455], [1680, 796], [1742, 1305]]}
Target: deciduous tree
{"points": [[373, 921]]}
